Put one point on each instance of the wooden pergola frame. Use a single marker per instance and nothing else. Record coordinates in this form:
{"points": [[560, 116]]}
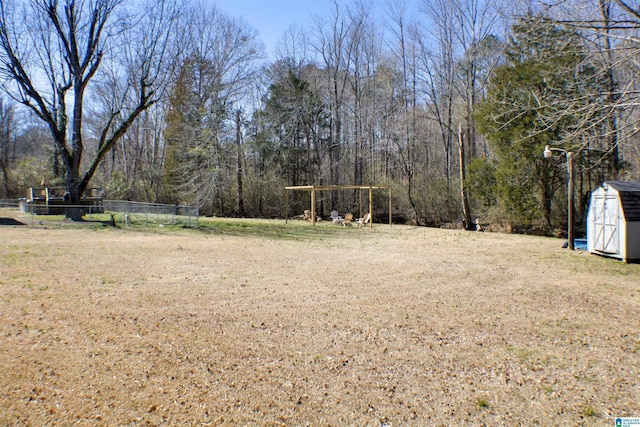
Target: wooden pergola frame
{"points": [[314, 188]]}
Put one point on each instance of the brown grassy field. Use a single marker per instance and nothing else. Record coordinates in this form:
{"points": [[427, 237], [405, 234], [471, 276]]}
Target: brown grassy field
{"points": [[395, 326]]}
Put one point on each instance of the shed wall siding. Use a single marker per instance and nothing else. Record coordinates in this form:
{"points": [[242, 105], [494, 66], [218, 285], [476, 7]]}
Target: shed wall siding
{"points": [[613, 221], [621, 229], [596, 195], [632, 241]]}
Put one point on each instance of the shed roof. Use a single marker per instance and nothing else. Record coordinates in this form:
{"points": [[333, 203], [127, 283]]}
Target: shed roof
{"points": [[629, 197]]}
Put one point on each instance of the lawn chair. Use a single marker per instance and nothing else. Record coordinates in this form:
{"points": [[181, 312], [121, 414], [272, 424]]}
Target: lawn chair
{"points": [[347, 219], [364, 220], [335, 218]]}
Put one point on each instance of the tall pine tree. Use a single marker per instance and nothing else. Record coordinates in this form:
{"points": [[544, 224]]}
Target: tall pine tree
{"points": [[541, 96]]}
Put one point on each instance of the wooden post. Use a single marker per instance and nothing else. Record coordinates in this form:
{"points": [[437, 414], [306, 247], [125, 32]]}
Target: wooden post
{"points": [[313, 205], [390, 208], [370, 207], [570, 198]]}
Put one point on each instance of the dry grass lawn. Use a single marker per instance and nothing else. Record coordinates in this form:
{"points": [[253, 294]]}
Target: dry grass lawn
{"points": [[395, 326]]}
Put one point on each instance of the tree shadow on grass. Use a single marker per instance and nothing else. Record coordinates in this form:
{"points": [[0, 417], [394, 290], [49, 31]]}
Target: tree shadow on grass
{"points": [[10, 221]]}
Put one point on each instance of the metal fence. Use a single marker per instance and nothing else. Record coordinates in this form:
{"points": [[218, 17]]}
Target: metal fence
{"points": [[152, 212], [9, 203], [121, 211]]}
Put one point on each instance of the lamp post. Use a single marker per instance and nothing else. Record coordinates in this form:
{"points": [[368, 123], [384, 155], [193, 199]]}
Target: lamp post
{"points": [[548, 153]]}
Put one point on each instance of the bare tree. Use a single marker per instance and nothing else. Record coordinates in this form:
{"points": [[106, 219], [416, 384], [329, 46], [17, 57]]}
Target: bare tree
{"points": [[51, 50], [437, 72], [7, 128], [404, 50], [217, 71], [333, 45], [361, 34], [479, 53], [609, 30], [293, 46]]}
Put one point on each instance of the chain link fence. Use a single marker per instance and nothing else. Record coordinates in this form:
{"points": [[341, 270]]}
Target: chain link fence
{"points": [[152, 213], [9, 203], [114, 211]]}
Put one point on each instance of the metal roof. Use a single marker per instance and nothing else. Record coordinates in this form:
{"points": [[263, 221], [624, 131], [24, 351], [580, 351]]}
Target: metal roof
{"points": [[629, 192]]}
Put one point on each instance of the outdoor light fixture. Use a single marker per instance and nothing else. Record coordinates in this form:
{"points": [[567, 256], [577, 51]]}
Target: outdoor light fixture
{"points": [[548, 153]]}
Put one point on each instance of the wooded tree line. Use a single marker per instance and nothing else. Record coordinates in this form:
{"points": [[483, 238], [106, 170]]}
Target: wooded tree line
{"points": [[451, 106]]}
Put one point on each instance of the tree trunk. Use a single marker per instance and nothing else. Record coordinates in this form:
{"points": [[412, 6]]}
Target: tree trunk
{"points": [[74, 185], [612, 96], [239, 175], [5, 177], [73, 195], [463, 190]]}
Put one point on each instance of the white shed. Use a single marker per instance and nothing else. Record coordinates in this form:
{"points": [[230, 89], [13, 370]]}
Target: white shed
{"points": [[613, 221]]}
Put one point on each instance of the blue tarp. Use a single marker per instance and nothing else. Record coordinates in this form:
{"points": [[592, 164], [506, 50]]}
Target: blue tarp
{"points": [[580, 244]]}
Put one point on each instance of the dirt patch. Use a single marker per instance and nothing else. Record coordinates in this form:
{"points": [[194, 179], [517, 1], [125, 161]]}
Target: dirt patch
{"points": [[390, 326]]}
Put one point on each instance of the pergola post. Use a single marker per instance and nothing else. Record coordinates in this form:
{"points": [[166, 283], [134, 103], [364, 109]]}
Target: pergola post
{"points": [[313, 189], [390, 208], [313, 205], [370, 206], [286, 206]]}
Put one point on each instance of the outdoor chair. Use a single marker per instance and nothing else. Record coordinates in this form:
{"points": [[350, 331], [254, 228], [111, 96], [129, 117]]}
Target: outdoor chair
{"points": [[364, 220], [335, 218], [347, 219]]}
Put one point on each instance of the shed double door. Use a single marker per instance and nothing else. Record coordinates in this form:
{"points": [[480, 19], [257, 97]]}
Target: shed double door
{"points": [[605, 225]]}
